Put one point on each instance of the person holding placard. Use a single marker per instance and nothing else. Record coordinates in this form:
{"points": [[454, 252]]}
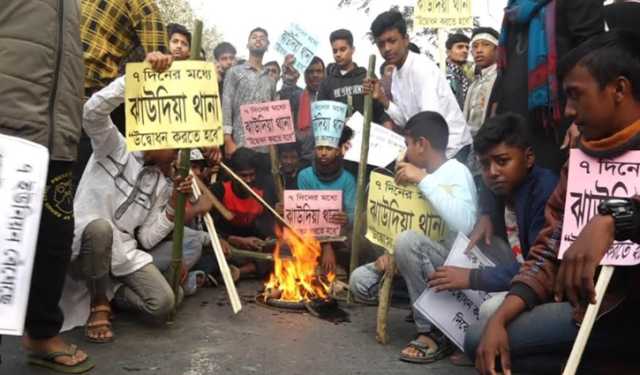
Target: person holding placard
{"points": [[417, 84], [179, 41], [124, 204], [533, 329], [327, 172], [449, 188], [246, 84]]}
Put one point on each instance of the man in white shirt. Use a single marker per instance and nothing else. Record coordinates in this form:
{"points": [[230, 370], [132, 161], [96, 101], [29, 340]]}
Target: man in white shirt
{"points": [[449, 188], [417, 83]]}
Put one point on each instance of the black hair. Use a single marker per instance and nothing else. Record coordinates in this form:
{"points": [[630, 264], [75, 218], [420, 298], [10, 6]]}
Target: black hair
{"points": [[414, 47], [485, 30], [456, 38], [223, 48], [388, 20], [607, 56], [314, 61], [346, 136], [176, 28], [258, 29], [289, 147], [274, 63], [342, 34], [509, 128], [431, 126], [243, 159]]}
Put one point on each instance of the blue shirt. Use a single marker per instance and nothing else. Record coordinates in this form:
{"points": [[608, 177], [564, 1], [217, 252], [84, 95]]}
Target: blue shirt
{"points": [[307, 180]]}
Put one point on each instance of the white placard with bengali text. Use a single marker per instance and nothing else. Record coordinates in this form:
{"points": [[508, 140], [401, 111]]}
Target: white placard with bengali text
{"points": [[23, 173], [454, 311], [384, 145]]}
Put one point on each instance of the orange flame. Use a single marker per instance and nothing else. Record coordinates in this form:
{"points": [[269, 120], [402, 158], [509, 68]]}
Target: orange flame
{"points": [[294, 278]]}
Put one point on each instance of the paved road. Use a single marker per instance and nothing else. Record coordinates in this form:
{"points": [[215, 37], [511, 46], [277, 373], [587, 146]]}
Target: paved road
{"points": [[208, 339]]}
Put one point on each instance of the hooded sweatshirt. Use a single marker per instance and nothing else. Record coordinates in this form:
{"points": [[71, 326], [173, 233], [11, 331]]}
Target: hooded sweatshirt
{"points": [[337, 86]]}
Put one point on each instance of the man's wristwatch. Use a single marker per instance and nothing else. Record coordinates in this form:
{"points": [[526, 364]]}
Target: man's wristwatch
{"points": [[625, 215]]}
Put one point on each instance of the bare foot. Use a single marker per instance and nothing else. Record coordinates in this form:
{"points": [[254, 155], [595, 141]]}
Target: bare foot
{"points": [[54, 344]]}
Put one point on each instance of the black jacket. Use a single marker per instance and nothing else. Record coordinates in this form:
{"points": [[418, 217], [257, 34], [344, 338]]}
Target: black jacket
{"points": [[339, 87]]}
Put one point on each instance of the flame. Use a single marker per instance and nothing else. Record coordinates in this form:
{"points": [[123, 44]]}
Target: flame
{"points": [[294, 278]]}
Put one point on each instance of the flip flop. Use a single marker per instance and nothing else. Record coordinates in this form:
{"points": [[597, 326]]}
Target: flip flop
{"points": [[429, 355], [47, 360], [97, 324]]}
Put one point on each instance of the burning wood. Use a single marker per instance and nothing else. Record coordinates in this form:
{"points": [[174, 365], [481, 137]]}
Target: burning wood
{"points": [[295, 278]]}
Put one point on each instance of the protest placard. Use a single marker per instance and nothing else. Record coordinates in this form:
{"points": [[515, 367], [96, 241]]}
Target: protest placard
{"points": [[23, 173], [445, 14], [590, 182], [384, 144], [393, 209], [267, 123], [179, 108], [455, 310], [327, 119], [309, 211], [297, 42]]}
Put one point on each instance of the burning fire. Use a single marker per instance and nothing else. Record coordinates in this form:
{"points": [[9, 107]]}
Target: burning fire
{"points": [[294, 278]]}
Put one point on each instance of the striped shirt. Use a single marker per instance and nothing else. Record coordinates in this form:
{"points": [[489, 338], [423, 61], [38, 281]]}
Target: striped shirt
{"points": [[244, 85], [111, 29]]}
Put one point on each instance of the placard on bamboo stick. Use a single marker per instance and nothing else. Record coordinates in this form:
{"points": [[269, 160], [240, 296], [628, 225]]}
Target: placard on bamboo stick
{"points": [[590, 182], [267, 123], [393, 209], [179, 108], [443, 14], [310, 211]]}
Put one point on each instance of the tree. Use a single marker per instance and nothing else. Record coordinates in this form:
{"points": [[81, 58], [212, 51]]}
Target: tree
{"points": [[425, 38], [179, 11]]}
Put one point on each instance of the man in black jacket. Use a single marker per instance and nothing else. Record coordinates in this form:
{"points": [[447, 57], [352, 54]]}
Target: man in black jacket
{"points": [[344, 79]]}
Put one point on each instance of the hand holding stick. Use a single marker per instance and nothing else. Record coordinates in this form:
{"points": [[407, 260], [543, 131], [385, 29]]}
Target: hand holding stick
{"points": [[228, 215]]}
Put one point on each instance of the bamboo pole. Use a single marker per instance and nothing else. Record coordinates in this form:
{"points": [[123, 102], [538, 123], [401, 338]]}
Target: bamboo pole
{"points": [[183, 171], [362, 170], [251, 254], [232, 292], [228, 215], [275, 172], [588, 321], [384, 298]]}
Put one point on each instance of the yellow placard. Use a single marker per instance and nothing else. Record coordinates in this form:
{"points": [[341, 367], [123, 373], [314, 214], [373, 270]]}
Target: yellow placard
{"points": [[443, 14], [179, 108], [393, 209]]}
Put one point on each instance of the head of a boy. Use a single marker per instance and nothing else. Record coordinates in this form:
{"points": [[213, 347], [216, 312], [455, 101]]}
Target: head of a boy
{"points": [[426, 136], [329, 159], [342, 47], [179, 41], [243, 163], [601, 79], [162, 159], [289, 158], [504, 151], [389, 31]]}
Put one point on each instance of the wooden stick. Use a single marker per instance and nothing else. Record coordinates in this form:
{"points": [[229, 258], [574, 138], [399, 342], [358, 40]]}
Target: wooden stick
{"points": [[259, 199], [362, 171], [251, 254], [587, 323], [275, 172], [236, 305], [228, 215], [384, 298]]}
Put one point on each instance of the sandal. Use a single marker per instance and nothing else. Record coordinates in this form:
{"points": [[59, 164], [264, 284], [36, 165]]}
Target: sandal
{"points": [[48, 361], [427, 353], [101, 323]]}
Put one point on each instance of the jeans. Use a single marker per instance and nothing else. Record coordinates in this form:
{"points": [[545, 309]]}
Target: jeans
{"points": [[540, 339], [192, 244], [53, 251]]}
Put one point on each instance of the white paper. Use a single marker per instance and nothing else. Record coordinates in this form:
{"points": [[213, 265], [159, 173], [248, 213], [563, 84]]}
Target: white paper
{"points": [[454, 311], [384, 144], [23, 173]]}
